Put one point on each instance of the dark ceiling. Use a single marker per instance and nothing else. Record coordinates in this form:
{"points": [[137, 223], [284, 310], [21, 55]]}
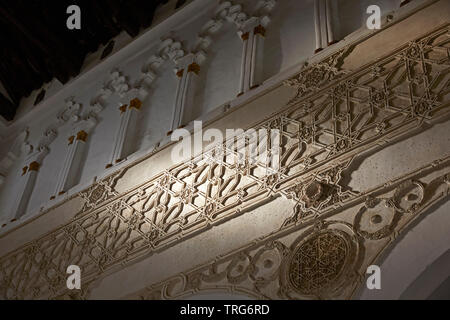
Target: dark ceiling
{"points": [[37, 46]]}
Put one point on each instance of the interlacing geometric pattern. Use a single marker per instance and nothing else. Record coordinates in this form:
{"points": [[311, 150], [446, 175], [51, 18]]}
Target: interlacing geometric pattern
{"points": [[318, 262], [335, 116]]}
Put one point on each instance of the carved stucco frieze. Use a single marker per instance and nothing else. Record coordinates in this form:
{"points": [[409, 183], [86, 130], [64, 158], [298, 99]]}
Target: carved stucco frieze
{"points": [[330, 121]]}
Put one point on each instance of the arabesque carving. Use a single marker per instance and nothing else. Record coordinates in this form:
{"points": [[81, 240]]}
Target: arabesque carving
{"points": [[328, 257], [331, 120]]}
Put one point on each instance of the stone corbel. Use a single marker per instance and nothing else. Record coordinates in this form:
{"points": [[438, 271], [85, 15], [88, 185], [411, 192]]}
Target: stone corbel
{"points": [[70, 113], [117, 83], [169, 49]]}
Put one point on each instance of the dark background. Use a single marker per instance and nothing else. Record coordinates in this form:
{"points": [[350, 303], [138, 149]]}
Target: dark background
{"points": [[37, 46]]}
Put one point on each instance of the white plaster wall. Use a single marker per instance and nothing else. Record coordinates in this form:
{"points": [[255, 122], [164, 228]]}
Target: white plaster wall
{"points": [[353, 14], [101, 141], [49, 170], [158, 108], [402, 157], [412, 254], [290, 36], [7, 191], [219, 78]]}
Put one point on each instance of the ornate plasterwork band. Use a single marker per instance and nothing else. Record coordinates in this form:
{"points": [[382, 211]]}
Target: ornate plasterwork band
{"points": [[334, 117], [322, 258]]}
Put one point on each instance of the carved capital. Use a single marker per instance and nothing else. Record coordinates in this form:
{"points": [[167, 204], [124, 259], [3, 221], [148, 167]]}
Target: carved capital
{"points": [[194, 67], [34, 166], [245, 36], [82, 136], [260, 30], [123, 108], [135, 104], [180, 73]]}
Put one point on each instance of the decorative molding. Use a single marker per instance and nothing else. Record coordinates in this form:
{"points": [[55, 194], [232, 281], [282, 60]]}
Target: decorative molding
{"points": [[123, 108], [71, 112], [73, 158], [180, 73], [117, 83], [252, 34]]}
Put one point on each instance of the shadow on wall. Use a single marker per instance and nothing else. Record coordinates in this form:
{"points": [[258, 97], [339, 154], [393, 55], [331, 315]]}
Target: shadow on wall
{"points": [[272, 48], [199, 99], [219, 77], [157, 109], [433, 274], [289, 38], [348, 9], [443, 292]]}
